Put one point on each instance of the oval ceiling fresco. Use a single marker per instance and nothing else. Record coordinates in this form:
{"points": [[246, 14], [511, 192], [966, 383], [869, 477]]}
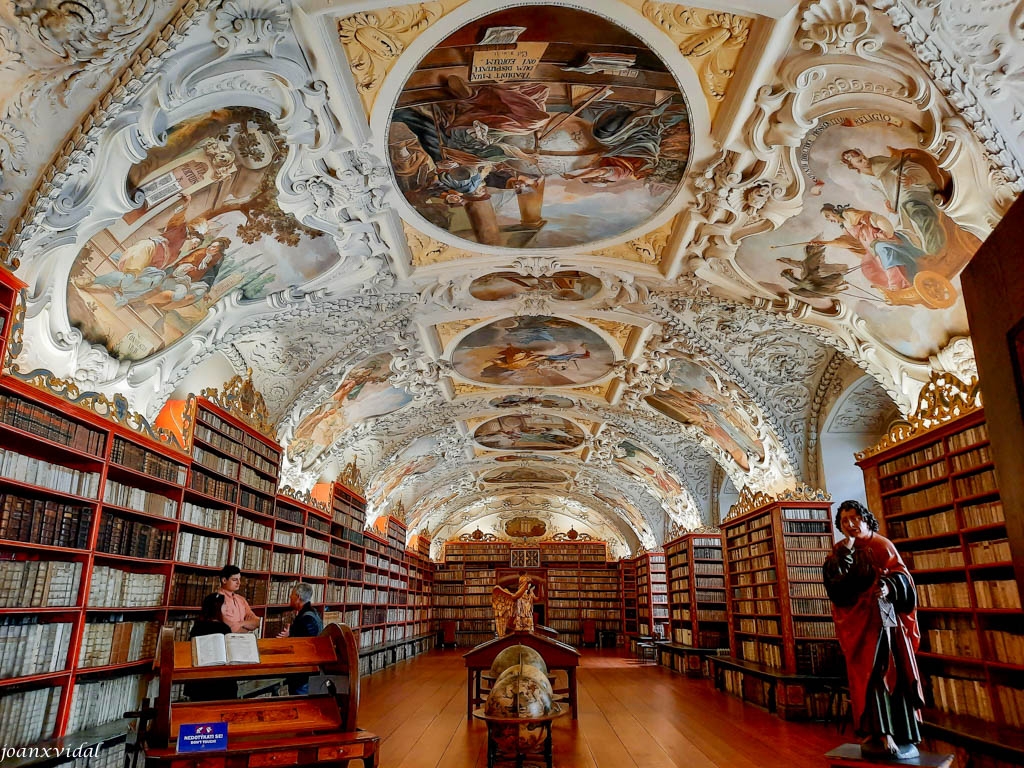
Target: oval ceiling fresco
{"points": [[541, 401], [539, 127], [525, 475], [529, 432], [562, 286], [533, 352], [364, 392], [695, 398], [209, 225], [525, 457]]}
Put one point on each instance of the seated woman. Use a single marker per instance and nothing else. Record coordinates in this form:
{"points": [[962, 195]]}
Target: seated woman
{"points": [[211, 622]]}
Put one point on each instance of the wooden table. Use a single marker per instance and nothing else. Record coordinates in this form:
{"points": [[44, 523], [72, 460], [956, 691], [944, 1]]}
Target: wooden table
{"points": [[555, 654]]}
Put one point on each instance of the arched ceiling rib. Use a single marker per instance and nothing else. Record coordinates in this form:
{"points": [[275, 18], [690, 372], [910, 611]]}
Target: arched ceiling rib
{"points": [[591, 283]]}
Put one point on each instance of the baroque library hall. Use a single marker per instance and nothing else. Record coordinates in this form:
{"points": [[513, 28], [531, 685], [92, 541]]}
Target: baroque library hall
{"points": [[465, 384]]}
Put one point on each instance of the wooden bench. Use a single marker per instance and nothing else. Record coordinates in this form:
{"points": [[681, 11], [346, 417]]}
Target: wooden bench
{"points": [[280, 731]]}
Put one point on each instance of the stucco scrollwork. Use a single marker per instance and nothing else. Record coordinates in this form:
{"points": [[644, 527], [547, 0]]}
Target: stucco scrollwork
{"points": [[252, 24], [835, 25]]}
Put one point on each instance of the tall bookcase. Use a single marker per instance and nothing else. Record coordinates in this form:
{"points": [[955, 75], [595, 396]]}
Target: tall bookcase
{"points": [[935, 494], [696, 591], [375, 585], [88, 527], [779, 614], [470, 572], [652, 595], [627, 586], [9, 288], [781, 636]]}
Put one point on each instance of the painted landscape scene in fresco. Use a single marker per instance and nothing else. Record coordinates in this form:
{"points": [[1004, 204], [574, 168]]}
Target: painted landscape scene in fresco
{"points": [[533, 352], [561, 286], [209, 226], [695, 399], [872, 233], [547, 127], [529, 432], [417, 459], [641, 464], [364, 392]]}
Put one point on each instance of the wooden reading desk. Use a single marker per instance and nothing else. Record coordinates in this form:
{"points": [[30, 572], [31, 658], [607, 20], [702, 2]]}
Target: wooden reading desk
{"points": [[280, 731], [555, 654]]}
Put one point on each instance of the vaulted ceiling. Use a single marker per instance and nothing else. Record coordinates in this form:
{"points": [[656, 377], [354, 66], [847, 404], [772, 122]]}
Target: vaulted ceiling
{"points": [[586, 261]]}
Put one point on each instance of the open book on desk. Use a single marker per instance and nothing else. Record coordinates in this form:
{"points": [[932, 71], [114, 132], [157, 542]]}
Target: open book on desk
{"points": [[213, 650]]}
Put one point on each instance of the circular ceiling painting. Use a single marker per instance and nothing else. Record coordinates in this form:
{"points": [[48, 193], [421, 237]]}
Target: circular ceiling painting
{"points": [[536, 351], [529, 432], [539, 127]]}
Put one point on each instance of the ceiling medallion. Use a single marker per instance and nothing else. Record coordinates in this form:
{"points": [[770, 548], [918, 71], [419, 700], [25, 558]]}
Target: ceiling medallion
{"points": [[549, 127]]}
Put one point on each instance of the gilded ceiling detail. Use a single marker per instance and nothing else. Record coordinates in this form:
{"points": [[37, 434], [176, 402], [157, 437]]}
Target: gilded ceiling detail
{"points": [[504, 264]]}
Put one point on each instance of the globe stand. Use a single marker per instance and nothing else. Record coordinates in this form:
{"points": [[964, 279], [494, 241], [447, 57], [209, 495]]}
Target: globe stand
{"points": [[498, 747]]}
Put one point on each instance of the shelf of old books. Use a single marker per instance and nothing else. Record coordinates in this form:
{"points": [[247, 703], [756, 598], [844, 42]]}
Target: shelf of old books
{"points": [[106, 535], [696, 591], [463, 585], [87, 531], [936, 498], [9, 288], [652, 595], [627, 587], [779, 614]]}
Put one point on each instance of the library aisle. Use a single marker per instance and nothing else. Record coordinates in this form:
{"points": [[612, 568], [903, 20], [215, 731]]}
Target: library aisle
{"points": [[631, 715]]}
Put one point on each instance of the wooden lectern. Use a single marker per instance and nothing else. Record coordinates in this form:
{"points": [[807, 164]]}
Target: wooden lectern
{"points": [[280, 731]]}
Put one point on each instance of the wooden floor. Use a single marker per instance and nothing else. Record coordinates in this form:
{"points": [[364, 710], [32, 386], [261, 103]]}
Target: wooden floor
{"points": [[631, 714]]}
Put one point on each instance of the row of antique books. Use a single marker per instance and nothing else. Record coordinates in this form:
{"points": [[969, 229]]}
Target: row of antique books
{"points": [[51, 523], [37, 420], [39, 583], [28, 648], [55, 477], [117, 642], [28, 716], [994, 593]]}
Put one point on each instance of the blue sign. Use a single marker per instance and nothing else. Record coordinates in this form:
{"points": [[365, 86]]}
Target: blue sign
{"points": [[202, 737]]}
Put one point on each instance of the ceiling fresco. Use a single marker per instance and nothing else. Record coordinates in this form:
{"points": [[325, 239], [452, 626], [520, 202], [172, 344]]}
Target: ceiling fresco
{"points": [[576, 264], [533, 352], [539, 127]]}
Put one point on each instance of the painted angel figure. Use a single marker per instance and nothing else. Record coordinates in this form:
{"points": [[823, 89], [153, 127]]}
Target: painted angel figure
{"points": [[517, 606]]}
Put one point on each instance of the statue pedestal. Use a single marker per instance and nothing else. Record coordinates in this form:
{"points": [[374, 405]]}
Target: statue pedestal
{"points": [[848, 756]]}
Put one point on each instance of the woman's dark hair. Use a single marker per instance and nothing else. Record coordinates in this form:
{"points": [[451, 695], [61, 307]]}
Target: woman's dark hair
{"points": [[861, 510], [228, 571], [213, 605]]}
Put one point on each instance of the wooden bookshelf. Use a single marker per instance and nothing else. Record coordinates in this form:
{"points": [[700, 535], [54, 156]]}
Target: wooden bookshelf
{"points": [[375, 585], [780, 618], [936, 498], [697, 603], [106, 535], [627, 586], [652, 595], [9, 288], [577, 585]]}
